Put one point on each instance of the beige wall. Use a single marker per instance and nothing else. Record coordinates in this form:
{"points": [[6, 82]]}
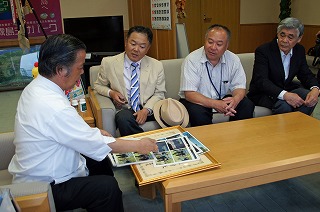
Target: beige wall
{"points": [[267, 11], [251, 11], [307, 11], [85, 8], [261, 11]]}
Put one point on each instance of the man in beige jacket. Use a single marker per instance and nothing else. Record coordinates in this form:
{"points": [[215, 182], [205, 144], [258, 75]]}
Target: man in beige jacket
{"points": [[115, 80]]}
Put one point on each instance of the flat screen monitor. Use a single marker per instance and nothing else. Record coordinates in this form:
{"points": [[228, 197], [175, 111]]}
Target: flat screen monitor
{"points": [[102, 35]]}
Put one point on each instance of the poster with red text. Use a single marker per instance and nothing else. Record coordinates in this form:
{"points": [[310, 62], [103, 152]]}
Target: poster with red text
{"points": [[47, 11]]}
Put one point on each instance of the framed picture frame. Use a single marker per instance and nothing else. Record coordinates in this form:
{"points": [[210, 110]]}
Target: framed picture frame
{"points": [[146, 173]]}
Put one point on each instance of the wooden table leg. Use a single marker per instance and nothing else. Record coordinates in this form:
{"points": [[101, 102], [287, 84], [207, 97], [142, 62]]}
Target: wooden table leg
{"points": [[169, 206], [148, 191]]}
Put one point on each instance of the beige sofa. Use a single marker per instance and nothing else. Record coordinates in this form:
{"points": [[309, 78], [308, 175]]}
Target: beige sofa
{"points": [[35, 196], [314, 69], [104, 109]]}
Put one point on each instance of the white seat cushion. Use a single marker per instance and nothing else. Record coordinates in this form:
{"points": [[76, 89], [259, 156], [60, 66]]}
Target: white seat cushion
{"points": [[5, 177]]}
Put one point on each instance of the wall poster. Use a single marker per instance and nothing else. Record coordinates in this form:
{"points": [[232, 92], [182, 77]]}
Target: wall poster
{"points": [[48, 12], [17, 62], [160, 14]]}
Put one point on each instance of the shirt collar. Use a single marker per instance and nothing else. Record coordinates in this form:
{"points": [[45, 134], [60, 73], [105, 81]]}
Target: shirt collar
{"points": [[50, 84], [283, 54], [204, 58], [128, 62]]}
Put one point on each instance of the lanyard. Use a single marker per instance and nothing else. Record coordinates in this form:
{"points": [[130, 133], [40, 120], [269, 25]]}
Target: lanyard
{"points": [[219, 93]]}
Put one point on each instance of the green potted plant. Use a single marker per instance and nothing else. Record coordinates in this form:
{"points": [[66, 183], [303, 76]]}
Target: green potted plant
{"points": [[285, 9]]}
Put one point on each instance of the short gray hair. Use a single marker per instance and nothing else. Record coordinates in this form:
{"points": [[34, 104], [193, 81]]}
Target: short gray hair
{"points": [[291, 23]]}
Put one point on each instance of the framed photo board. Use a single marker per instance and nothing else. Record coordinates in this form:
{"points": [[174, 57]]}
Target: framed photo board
{"points": [[146, 173]]}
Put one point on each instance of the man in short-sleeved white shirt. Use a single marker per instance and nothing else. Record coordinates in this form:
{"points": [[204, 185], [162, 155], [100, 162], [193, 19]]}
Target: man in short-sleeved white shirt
{"points": [[213, 81]]}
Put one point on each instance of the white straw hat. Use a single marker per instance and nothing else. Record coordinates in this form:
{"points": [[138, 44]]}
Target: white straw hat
{"points": [[170, 112]]}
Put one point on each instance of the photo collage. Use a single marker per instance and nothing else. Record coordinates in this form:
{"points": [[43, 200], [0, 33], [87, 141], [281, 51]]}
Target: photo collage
{"points": [[178, 148]]}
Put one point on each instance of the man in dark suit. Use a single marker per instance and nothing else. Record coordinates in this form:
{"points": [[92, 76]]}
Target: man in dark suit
{"points": [[276, 65], [318, 59]]}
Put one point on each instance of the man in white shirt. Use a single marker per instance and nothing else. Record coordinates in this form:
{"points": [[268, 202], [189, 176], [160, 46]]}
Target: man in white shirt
{"points": [[213, 80], [51, 137]]}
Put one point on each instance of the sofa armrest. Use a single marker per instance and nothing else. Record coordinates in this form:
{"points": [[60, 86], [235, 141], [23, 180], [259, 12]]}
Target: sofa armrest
{"points": [[96, 109], [103, 110], [314, 69], [33, 196]]}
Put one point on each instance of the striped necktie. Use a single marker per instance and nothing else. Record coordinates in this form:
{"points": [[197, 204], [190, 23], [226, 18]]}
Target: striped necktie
{"points": [[134, 88]]}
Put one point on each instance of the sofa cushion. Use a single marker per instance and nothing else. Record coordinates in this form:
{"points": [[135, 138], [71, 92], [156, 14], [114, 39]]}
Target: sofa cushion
{"points": [[7, 149], [172, 72], [261, 111], [219, 118], [247, 60], [5, 177], [314, 69], [93, 74]]}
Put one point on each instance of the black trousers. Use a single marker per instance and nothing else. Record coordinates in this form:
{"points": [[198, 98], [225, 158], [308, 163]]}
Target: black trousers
{"points": [[199, 115], [127, 124], [97, 192], [281, 106]]}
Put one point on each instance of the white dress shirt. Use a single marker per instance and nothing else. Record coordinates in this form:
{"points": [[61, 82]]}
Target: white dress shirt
{"points": [[50, 135], [228, 73], [286, 66]]}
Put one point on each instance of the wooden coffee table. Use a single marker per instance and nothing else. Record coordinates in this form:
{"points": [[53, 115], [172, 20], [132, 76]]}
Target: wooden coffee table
{"points": [[252, 152]]}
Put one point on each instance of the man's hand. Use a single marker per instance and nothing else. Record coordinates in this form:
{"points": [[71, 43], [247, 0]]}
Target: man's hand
{"points": [[232, 104], [105, 133], [142, 146], [141, 115], [118, 98], [312, 97], [233, 101], [227, 106], [146, 145], [293, 99], [221, 106]]}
